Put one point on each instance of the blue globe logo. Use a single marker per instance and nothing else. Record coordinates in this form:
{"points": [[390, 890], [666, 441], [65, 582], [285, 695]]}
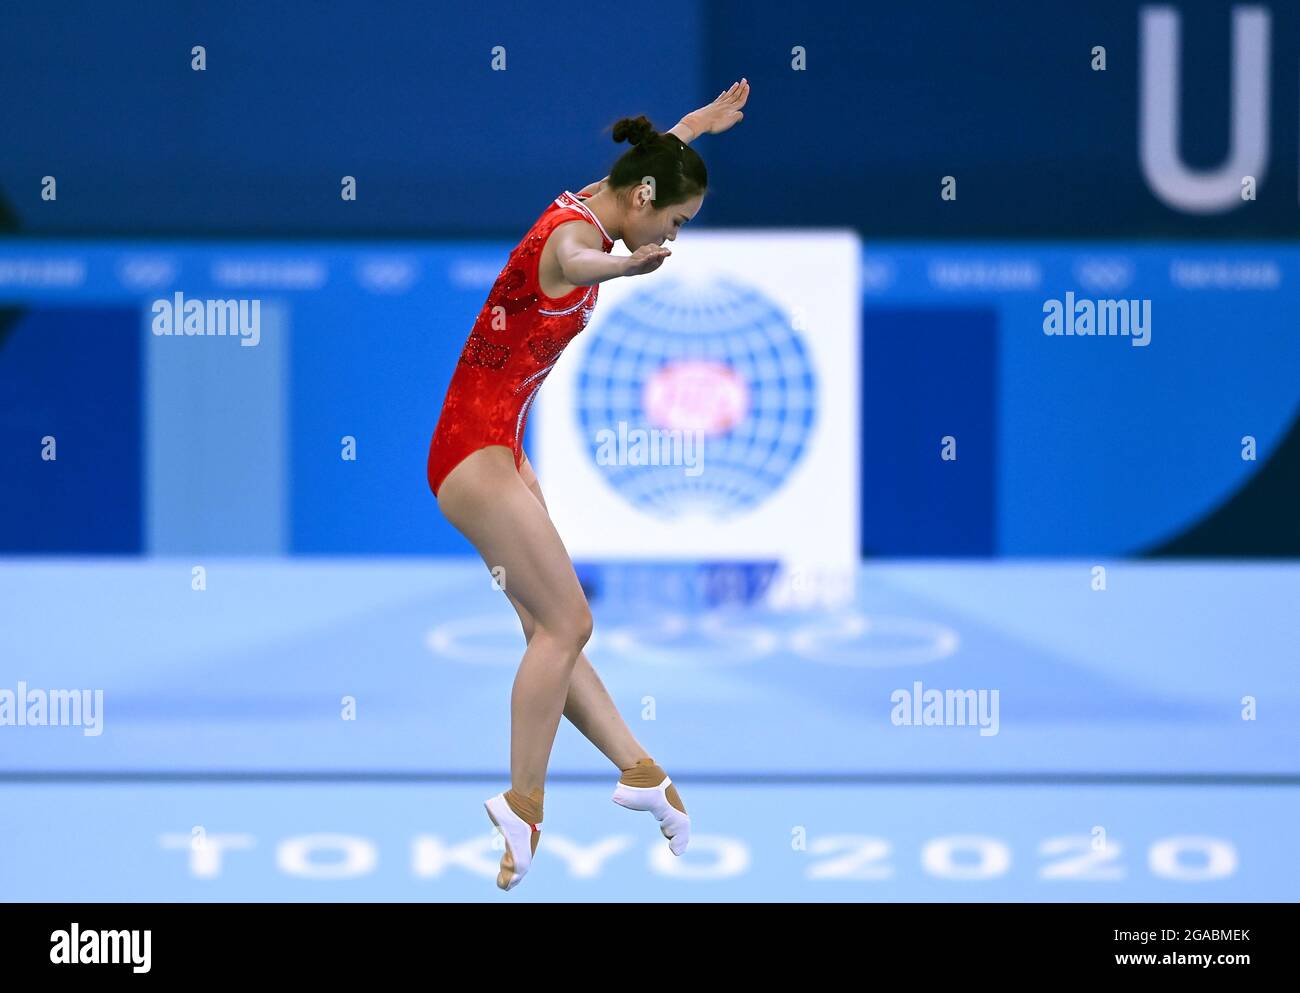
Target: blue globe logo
{"points": [[717, 361]]}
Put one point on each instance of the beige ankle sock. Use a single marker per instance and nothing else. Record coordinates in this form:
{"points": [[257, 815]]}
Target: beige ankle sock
{"points": [[527, 808], [645, 774]]}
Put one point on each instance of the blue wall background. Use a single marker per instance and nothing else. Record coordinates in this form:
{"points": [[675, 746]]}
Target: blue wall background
{"points": [[894, 96], [1066, 446], [1065, 450], [71, 374]]}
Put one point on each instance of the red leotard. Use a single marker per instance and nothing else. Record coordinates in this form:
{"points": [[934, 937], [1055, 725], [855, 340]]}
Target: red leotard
{"points": [[518, 337]]}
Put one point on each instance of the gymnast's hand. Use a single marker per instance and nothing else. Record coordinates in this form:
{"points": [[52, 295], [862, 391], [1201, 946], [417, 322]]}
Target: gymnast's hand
{"points": [[718, 116], [645, 259]]}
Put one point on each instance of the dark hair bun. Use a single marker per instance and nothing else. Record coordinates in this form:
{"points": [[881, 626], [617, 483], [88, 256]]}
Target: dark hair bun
{"points": [[634, 129]]}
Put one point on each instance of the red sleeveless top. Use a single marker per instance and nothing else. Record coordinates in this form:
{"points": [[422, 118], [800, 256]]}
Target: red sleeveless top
{"points": [[515, 342]]}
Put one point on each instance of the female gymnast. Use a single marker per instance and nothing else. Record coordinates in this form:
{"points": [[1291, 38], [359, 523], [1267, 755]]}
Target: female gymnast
{"points": [[486, 487]]}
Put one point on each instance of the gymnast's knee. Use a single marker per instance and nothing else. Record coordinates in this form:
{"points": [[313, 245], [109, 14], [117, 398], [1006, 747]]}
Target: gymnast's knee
{"points": [[570, 629]]}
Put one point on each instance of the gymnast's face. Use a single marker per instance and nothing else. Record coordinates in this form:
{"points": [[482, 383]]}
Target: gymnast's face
{"points": [[648, 224]]}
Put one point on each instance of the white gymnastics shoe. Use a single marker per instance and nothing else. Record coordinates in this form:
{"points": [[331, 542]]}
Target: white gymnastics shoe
{"points": [[645, 786], [521, 839]]}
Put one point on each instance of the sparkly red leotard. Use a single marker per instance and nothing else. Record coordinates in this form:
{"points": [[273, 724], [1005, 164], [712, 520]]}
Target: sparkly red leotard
{"points": [[518, 337]]}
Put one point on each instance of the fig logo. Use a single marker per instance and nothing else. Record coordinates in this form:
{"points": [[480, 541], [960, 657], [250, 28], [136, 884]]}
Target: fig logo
{"points": [[711, 362], [696, 395]]}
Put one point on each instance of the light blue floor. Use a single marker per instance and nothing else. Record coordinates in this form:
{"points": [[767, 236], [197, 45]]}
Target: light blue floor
{"points": [[1147, 677]]}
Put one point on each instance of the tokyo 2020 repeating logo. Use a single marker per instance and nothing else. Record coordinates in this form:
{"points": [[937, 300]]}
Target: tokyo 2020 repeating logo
{"points": [[719, 360]]}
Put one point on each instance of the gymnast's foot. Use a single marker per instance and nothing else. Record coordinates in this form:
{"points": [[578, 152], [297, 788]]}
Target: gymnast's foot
{"points": [[645, 786], [519, 819]]}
